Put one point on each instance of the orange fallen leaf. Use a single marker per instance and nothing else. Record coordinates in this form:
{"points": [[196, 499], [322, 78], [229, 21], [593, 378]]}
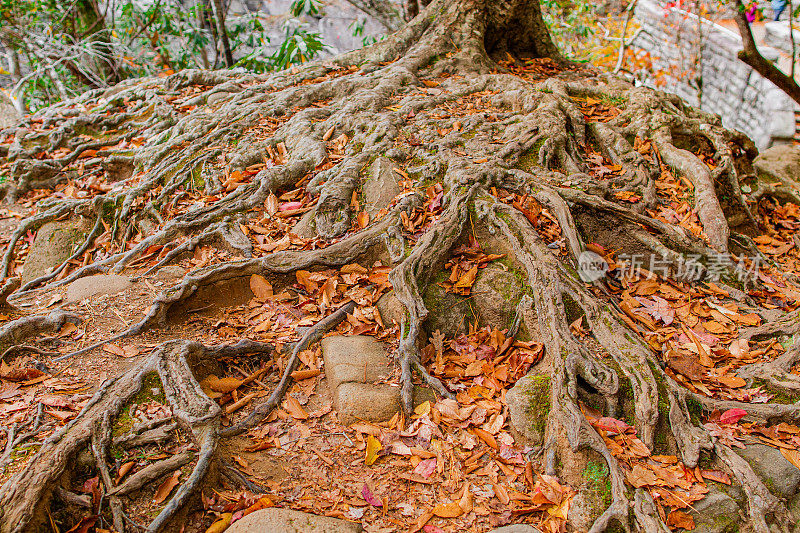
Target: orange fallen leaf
{"points": [[222, 524], [166, 487], [262, 289], [124, 469], [294, 408], [114, 348], [680, 519], [448, 510]]}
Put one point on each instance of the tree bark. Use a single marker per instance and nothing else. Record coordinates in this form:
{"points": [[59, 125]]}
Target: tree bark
{"points": [[750, 55], [222, 32]]}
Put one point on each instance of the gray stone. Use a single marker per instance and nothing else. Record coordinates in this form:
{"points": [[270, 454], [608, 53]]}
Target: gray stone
{"points": [[448, 312], [381, 186], [356, 358], [778, 163], [275, 520], [516, 528], [169, 272], [98, 285], [716, 513], [390, 309], [306, 227], [495, 295], [528, 404], [355, 401], [780, 476], [55, 242], [8, 113]]}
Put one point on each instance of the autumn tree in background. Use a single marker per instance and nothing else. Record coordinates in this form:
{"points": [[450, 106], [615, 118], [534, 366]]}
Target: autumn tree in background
{"points": [[505, 150]]}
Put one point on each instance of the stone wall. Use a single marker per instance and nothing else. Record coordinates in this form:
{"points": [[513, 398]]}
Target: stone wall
{"points": [[719, 83]]}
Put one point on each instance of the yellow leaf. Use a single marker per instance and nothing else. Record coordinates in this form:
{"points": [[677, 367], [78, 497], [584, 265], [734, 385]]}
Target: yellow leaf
{"points": [[793, 456], [448, 510], [423, 409], [222, 524], [373, 447], [468, 279]]}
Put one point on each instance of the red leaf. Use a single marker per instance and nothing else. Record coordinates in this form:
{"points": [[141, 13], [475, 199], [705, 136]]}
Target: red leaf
{"points": [[370, 497], [611, 425], [731, 416], [290, 205]]}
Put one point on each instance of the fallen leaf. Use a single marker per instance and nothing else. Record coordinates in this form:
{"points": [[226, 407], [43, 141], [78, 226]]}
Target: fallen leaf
{"points": [[84, 525], [166, 487], [124, 469], [448, 510], [731, 416], [262, 503], [793, 456], [114, 348], [369, 497], [294, 408], [373, 447], [680, 519], [262, 289], [733, 382], [222, 524]]}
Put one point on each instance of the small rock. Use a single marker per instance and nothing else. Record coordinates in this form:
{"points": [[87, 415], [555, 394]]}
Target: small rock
{"points": [[353, 365], [381, 186], [365, 401], [275, 520], [780, 162], [55, 242], [169, 272], [716, 513], [779, 475], [373, 402], [98, 285], [356, 358], [390, 309], [306, 227], [528, 404], [516, 528]]}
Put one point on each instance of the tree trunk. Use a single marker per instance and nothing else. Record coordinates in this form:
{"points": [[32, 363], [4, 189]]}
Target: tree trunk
{"points": [[222, 32], [470, 99]]}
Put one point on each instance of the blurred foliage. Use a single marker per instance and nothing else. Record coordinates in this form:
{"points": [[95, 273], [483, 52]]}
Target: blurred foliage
{"points": [[59, 48]]}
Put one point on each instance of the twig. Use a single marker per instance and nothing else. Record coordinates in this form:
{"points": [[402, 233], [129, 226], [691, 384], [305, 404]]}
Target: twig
{"points": [[311, 336]]}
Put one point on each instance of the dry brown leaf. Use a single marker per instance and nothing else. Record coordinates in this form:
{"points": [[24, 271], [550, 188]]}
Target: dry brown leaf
{"points": [[124, 469], [166, 487], [262, 289], [293, 407], [114, 348], [680, 519], [793, 456]]}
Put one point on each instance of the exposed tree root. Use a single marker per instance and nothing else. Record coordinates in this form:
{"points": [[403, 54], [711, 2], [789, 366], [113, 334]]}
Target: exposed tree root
{"points": [[317, 129]]}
